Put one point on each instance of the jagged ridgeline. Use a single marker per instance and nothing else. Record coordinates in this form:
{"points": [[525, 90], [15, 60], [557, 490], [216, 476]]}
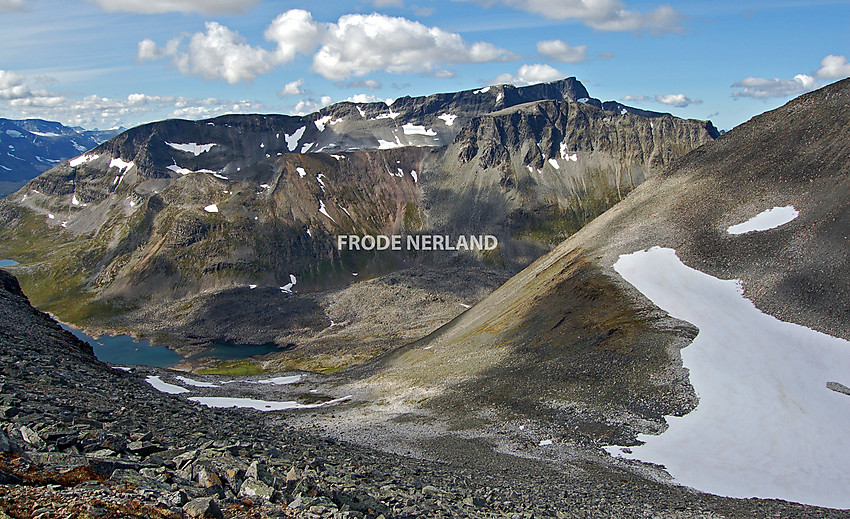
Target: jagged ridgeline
{"points": [[173, 209]]}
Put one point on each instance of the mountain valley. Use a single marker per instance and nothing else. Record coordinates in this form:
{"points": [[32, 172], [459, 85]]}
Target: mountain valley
{"points": [[652, 277], [171, 221]]}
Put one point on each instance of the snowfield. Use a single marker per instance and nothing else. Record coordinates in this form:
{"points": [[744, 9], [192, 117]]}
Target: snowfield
{"points": [[165, 387], [192, 147], [766, 424], [770, 219]]}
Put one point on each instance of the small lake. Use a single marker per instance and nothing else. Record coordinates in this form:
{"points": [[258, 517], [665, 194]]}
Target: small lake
{"points": [[230, 351], [124, 350], [8, 263]]}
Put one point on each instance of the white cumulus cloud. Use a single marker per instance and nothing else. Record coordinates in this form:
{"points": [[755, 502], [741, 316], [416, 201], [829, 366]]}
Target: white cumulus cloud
{"points": [[677, 100], [359, 44], [218, 53], [147, 50], [354, 46], [762, 88], [530, 74], [562, 51], [19, 101], [307, 106], [14, 90], [293, 88], [631, 99], [364, 98], [295, 32], [603, 15], [833, 67], [166, 6]]}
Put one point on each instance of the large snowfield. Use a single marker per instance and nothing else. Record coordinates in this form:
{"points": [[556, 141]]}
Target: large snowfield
{"points": [[766, 424]]}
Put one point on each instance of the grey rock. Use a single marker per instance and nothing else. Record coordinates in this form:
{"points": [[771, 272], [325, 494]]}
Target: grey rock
{"points": [[32, 438], [254, 488], [203, 508], [260, 472]]}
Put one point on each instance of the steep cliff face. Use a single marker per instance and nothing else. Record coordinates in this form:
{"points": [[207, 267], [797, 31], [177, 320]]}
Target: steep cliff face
{"points": [[537, 172], [177, 209]]}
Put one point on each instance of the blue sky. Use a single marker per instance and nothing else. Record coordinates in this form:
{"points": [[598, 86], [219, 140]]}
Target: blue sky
{"points": [[105, 63]]}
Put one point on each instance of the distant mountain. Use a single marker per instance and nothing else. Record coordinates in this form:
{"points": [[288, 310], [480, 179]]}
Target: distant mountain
{"points": [[587, 343], [145, 228], [32, 146]]}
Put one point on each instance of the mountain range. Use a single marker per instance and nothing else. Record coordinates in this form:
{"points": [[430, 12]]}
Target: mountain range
{"points": [[689, 342], [32, 146], [174, 220]]}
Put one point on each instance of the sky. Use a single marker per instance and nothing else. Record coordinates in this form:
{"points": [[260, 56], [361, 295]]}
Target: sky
{"points": [[110, 63]]}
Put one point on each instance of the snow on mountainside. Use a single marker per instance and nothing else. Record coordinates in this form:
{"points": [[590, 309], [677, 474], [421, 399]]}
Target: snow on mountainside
{"points": [[704, 315], [32, 146], [176, 211]]}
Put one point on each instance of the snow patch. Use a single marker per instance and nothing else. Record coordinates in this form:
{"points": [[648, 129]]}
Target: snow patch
{"points": [[388, 145], [306, 147], [122, 166], [82, 159], [414, 175], [338, 157], [14, 133], [566, 155], [583, 100], [325, 211], [212, 208], [288, 287], [165, 387], [390, 115], [292, 140], [324, 121], [280, 381], [766, 425], [195, 383], [449, 119], [301, 172], [769, 219], [415, 129], [554, 163], [75, 200], [192, 147], [260, 405], [177, 169], [45, 134], [482, 91]]}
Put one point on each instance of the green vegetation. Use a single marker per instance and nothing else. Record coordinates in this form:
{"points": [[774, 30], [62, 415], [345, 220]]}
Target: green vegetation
{"points": [[235, 368]]}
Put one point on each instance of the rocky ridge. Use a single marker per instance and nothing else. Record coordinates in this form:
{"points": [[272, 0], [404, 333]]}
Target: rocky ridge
{"points": [[176, 210], [568, 349], [79, 438]]}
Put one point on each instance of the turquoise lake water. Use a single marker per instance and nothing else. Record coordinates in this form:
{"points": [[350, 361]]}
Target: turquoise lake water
{"points": [[123, 350]]}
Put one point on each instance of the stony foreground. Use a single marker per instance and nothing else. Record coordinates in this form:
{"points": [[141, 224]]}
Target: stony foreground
{"points": [[81, 439]]}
